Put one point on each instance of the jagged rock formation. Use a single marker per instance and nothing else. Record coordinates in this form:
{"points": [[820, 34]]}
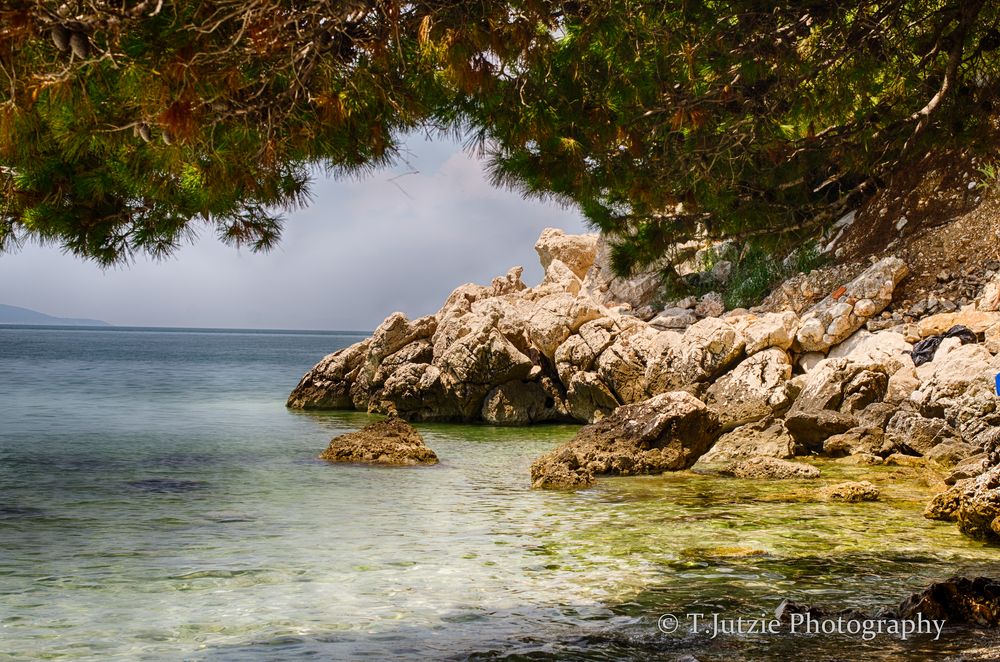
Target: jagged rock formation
{"points": [[776, 383]]}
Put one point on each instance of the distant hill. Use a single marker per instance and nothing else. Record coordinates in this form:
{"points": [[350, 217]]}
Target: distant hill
{"points": [[16, 315]]}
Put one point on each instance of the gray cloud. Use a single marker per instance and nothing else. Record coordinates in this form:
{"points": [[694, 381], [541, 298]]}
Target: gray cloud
{"points": [[396, 240]]}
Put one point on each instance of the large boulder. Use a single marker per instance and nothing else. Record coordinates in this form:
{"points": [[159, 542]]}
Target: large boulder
{"points": [[771, 330], [974, 503], [989, 300], [575, 252], [328, 384], [958, 385], [909, 430], [622, 365], [846, 309], [395, 333], [956, 600], [588, 398], [580, 351], [977, 321], [555, 317], [416, 392], [689, 361], [831, 395], [391, 441], [665, 433], [766, 437], [886, 348], [753, 390], [861, 440]]}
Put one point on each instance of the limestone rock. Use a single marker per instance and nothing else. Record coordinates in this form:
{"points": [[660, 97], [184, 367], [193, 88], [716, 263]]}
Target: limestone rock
{"points": [[851, 492], [903, 460], [811, 428], [766, 437], [902, 384], [554, 318], [832, 320], [577, 252], [944, 506], [951, 453], [957, 600], [771, 330], [415, 391], [959, 387], [710, 305], [989, 300], [588, 398], [418, 351], [665, 433], [392, 441], [522, 403], [395, 333], [910, 430], [580, 351], [970, 467], [510, 283], [478, 361], [858, 440], [753, 390], [810, 360], [974, 503], [328, 384], [705, 351], [976, 320], [622, 365], [559, 276], [770, 468], [606, 288], [834, 391], [674, 318], [885, 348]]}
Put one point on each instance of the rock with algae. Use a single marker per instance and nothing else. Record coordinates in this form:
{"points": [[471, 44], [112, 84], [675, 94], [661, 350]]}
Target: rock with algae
{"points": [[392, 441]]}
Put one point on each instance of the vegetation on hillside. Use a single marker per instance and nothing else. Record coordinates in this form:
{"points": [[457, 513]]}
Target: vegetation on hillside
{"points": [[124, 124]]}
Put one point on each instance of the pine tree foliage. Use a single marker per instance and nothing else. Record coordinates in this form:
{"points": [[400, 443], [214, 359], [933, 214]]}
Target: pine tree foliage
{"points": [[127, 126]]}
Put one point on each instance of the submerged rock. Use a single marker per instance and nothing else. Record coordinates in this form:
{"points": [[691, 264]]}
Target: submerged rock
{"points": [[851, 492], [957, 600], [668, 432], [770, 468], [392, 441]]}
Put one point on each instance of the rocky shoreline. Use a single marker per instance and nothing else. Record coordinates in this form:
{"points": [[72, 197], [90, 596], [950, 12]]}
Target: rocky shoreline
{"points": [[690, 385]]}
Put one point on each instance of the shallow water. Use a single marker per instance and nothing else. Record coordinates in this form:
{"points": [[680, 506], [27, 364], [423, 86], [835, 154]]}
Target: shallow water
{"points": [[157, 501]]}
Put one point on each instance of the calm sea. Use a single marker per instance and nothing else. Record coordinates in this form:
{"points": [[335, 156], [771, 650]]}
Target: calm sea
{"points": [[157, 501]]}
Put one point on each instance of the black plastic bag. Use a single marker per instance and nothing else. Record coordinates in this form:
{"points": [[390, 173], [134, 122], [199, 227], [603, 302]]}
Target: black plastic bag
{"points": [[923, 352]]}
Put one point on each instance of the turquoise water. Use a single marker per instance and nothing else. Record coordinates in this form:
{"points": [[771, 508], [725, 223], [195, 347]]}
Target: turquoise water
{"points": [[157, 501]]}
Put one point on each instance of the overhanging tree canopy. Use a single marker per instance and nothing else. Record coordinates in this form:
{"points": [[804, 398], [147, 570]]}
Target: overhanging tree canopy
{"points": [[123, 124]]}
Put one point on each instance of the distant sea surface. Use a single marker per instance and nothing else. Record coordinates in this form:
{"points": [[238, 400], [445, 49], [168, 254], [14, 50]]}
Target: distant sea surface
{"points": [[157, 501]]}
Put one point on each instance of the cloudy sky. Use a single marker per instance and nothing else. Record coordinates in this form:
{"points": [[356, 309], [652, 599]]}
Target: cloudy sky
{"points": [[397, 240]]}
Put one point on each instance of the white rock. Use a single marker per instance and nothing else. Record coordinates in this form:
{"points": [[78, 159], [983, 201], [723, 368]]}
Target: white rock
{"points": [[770, 330]]}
